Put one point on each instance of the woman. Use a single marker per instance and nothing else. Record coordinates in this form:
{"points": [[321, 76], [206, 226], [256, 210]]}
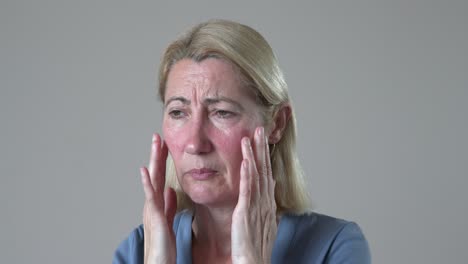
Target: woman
{"points": [[234, 192]]}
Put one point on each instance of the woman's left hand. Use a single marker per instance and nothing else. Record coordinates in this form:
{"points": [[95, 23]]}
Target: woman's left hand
{"points": [[254, 226]]}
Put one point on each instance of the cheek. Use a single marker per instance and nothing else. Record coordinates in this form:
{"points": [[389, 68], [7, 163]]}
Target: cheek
{"points": [[229, 145], [172, 138], [226, 142]]}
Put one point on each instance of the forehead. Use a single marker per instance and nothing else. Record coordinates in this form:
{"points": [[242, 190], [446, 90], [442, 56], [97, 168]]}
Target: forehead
{"points": [[210, 77]]}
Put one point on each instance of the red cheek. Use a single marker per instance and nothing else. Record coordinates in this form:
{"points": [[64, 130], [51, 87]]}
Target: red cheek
{"points": [[228, 146], [231, 140], [224, 141], [173, 141]]}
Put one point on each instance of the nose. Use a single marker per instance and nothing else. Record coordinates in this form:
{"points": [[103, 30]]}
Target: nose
{"points": [[197, 139]]}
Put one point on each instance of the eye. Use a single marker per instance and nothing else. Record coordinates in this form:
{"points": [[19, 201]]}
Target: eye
{"points": [[224, 114], [176, 114]]}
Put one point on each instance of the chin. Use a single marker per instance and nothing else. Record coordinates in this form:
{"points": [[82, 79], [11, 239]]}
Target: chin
{"points": [[212, 198]]}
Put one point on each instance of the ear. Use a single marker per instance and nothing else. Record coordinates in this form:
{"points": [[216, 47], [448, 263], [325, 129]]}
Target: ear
{"points": [[280, 120]]}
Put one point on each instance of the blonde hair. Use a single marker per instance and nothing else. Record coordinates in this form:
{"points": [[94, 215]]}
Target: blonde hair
{"points": [[251, 54]]}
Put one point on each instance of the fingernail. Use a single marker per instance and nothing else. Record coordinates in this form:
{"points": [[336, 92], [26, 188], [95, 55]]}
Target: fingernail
{"points": [[154, 138], [246, 141], [260, 131]]}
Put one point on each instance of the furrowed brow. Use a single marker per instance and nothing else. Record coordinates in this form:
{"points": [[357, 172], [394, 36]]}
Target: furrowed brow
{"points": [[183, 100], [211, 101]]}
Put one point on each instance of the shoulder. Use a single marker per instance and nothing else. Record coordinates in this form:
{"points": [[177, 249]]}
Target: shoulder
{"points": [[131, 249], [319, 224], [324, 238]]}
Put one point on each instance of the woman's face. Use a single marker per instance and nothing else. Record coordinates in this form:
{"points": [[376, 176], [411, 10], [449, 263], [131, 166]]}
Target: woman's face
{"points": [[207, 112]]}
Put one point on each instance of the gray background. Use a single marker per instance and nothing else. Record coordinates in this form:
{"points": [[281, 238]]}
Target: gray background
{"points": [[380, 90]]}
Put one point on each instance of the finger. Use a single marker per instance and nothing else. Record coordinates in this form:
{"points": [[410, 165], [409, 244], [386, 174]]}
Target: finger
{"points": [[271, 181], [244, 185], [155, 143], [158, 165], [260, 159], [161, 166], [170, 205], [147, 186], [247, 154], [153, 202], [268, 158]]}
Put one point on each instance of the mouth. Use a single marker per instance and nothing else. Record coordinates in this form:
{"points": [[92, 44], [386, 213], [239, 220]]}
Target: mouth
{"points": [[201, 173]]}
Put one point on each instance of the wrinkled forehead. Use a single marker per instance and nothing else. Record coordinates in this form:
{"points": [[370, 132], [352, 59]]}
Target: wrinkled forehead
{"points": [[209, 78]]}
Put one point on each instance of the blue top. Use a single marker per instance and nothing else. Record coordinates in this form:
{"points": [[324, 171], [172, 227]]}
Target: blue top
{"points": [[307, 238]]}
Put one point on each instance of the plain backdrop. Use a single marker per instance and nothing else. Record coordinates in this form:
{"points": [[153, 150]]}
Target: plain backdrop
{"points": [[380, 89]]}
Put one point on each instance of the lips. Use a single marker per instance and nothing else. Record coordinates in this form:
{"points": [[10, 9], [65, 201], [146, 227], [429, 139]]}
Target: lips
{"points": [[202, 173]]}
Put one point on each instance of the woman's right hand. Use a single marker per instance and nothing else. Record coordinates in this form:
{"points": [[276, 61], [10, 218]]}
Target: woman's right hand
{"points": [[160, 208]]}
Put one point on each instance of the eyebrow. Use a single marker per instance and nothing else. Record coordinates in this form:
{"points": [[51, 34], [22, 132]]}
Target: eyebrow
{"points": [[183, 100], [210, 101], [206, 101]]}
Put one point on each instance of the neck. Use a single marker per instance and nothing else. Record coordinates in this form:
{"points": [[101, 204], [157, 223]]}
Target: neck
{"points": [[212, 231]]}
